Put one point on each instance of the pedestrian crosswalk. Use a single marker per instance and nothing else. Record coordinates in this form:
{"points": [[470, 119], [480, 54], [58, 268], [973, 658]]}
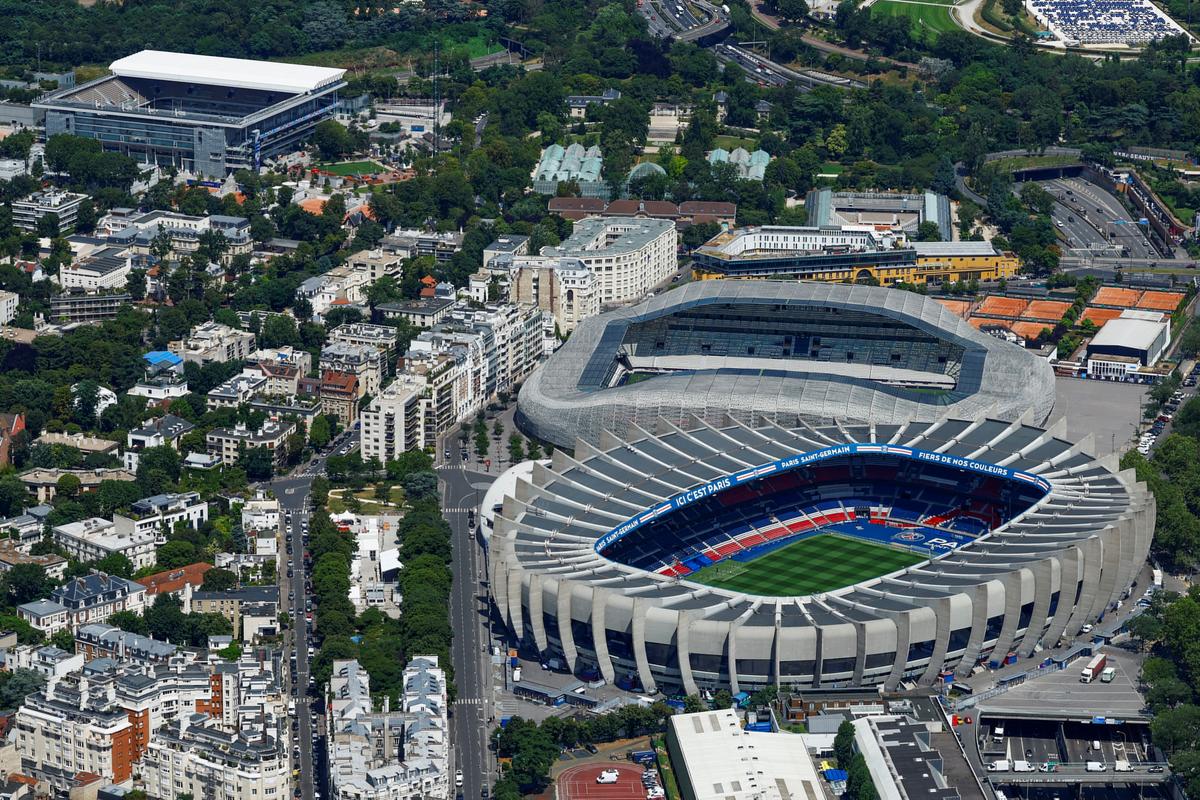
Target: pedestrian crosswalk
{"points": [[469, 701], [456, 510]]}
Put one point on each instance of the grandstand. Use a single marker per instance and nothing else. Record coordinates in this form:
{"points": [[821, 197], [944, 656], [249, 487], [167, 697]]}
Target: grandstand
{"points": [[778, 351], [739, 555], [205, 114], [1133, 23]]}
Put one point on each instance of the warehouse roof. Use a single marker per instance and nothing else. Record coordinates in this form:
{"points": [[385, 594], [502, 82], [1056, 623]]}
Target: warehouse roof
{"points": [[217, 71]]}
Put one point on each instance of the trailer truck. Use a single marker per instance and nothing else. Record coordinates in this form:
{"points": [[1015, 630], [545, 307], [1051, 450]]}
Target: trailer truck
{"points": [[1093, 668]]}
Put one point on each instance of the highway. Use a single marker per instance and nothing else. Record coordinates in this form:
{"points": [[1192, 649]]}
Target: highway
{"points": [[1103, 213], [471, 722]]}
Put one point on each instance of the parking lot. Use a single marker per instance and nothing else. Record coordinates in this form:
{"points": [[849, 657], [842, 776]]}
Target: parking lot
{"points": [[1110, 411]]}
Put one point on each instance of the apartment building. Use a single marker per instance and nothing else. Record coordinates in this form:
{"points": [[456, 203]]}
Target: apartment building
{"points": [[389, 755], [339, 396], [11, 555], [138, 230], [423, 313], [237, 389], [79, 306], [413, 243], [64, 205], [94, 538], [364, 362], [46, 660], [75, 725], [340, 286], [230, 604], [278, 379], [377, 264], [212, 341], [380, 337], [43, 482], [97, 640], [293, 356], [8, 306], [198, 757], [105, 269], [227, 443], [629, 256], [173, 581], [86, 599], [164, 431], [563, 288], [392, 423], [157, 515]]}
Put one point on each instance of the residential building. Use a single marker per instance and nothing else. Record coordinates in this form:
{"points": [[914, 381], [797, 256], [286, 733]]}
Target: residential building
{"points": [[339, 396], [82, 443], [104, 269], [422, 313], [236, 390], [183, 232], [106, 641], [94, 538], [74, 726], [212, 341], [225, 114], [578, 104], [381, 337], [164, 379], [11, 426], [46, 660], [293, 407], [196, 756], [164, 431], [11, 555], [377, 264], [25, 529], [389, 755], [413, 243], [173, 581], [509, 244], [229, 604], [8, 307], [90, 598], [563, 288], [279, 379], [227, 443], [293, 356], [77, 306], [365, 362], [62, 204], [689, 212], [629, 256], [340, 286], [261, 525], [158, 515], [44, 481], [392, 423]]}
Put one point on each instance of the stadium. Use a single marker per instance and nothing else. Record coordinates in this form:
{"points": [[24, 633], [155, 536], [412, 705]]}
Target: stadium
{"points": [[779, 352], [205, 114], [739, 555]]}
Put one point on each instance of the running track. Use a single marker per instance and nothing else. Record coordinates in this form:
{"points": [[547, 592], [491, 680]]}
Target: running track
{"points": [[579, 783]]}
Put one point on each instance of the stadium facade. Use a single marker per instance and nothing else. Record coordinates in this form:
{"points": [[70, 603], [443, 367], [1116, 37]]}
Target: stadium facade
{"points": [[1024, 537], [780, 352], [205, 114]]}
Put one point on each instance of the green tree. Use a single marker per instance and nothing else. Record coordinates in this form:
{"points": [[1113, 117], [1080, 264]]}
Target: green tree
{"points": [[843, 744], [928, 231], [219, 580], [27, 582], [420, 485], [175, 554]]}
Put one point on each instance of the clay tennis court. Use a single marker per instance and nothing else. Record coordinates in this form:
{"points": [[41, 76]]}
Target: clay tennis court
{"points": [[579, 783]]}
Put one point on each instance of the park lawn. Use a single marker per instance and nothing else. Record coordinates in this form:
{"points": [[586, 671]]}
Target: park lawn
{"points": [[819, 563], [476, 47], [732, 143], [353, 168], [933, 19], [369, 505]]}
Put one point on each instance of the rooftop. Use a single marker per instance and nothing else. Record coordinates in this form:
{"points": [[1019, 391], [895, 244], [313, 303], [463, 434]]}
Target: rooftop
{"points": [[218, 71]]}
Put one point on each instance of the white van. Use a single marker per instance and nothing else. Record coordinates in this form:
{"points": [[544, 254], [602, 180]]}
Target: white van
{"points": [[607, 776], [1022, 766], [998, 766], [1095, 745], [1121, 765], [1096, 766]]}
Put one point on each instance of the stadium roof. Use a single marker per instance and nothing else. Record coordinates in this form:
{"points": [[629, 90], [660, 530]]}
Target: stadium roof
{"points": [[218, 71]]}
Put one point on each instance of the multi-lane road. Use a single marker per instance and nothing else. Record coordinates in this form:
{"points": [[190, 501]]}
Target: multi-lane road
{"points": [[473, 717], [1094, 220]]}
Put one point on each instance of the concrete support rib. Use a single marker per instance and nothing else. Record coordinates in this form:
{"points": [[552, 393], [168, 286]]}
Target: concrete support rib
{"points": [[514, 604], [860, 651], [1068, 579], [684, 644], [730, 656], [979, 615], [941, 639], [1012, 612], [1110, 569], [565, 632], [1043, 575], [903, 634], [640, 607], [599, 636], [1091, 555], [536, 621]]}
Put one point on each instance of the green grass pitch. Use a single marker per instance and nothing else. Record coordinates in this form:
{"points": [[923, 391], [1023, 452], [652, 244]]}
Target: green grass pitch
{"points": [[819, 563], [926, 19], [353, 168]]}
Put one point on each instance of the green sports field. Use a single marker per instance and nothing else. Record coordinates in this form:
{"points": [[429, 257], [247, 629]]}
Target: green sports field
{"points": [[817, 564], [353, 168], [928, 16]]}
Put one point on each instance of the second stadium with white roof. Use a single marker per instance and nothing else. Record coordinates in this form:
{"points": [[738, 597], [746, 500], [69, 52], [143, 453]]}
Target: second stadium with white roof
{"points": [[205, 114]]}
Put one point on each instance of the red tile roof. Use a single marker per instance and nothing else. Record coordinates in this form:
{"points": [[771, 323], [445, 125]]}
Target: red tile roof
{"points": [[173, 580]]}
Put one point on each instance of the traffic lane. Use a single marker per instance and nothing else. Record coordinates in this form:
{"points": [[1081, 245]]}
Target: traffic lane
{"points": [[1107, 212]]}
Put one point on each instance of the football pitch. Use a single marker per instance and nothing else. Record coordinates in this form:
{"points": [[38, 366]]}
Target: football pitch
{"points": [[927, 16], [819, 563]]}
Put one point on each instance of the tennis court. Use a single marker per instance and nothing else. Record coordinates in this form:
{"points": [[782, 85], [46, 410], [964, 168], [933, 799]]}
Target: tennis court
{"points": [[816, 564]]}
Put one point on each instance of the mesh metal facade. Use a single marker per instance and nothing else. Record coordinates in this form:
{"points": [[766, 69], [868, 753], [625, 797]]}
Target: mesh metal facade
{"points": [[573, 396]]}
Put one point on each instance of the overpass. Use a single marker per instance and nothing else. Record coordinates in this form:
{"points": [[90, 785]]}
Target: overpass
{"points": [[1141, 774]]}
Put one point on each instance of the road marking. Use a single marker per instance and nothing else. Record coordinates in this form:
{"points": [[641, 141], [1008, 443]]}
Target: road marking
{"points": [[469, 701]]}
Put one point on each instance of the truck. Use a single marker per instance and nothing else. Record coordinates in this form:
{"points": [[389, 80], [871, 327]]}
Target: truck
{"points": [[1107, 675], [643, 756], [998, 734], [1022, 766], [1121, 765], [1093, 668], [1096, 766], [1157, 576], [517, 675], [998, 766]]}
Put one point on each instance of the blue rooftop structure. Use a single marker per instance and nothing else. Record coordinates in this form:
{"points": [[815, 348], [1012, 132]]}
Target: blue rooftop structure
{"points": [[162, 358]]}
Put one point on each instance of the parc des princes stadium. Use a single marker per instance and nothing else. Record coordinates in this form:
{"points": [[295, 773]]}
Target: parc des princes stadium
{"points": [[695, 550]]}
